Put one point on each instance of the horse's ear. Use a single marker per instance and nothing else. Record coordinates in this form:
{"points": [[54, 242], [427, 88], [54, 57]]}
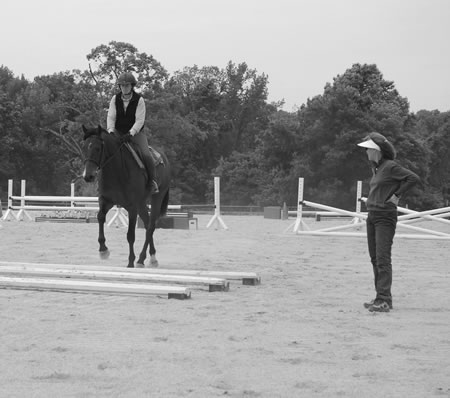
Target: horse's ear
{"points": [[99, 129], [84, 128]]}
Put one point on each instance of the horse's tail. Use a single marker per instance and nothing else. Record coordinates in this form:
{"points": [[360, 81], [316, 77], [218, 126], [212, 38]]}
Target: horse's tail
{"points": [[165, 204]]}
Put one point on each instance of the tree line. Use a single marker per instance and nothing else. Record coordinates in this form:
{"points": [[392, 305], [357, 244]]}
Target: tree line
{"points": [[214, 121]]}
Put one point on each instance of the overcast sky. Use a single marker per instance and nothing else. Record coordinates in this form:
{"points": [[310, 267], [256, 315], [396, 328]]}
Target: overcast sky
{"points": [[300, 44]]}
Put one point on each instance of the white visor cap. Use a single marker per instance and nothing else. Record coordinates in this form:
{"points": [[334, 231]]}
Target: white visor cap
{"points": [[369, 144]]}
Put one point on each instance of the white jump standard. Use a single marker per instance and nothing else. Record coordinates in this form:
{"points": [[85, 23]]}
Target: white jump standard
{"points": [[217, 218], [359, 218]]}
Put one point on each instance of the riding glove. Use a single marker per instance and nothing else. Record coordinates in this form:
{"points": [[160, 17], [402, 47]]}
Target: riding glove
{"points": [[125, 138]]}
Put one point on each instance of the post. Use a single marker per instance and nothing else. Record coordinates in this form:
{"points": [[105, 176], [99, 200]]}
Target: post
{"points": [[9, 213], [217, 217], [119, 218], [299, 223], [285, 214], [357, 220], [72, 194], [22, 212]]}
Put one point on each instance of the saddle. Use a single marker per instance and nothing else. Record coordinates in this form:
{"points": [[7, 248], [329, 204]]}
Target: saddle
{"points": [[154, 154]]}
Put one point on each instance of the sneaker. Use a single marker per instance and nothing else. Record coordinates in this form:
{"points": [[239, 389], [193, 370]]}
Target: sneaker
{"points": [[370, 303], [379, 306]]}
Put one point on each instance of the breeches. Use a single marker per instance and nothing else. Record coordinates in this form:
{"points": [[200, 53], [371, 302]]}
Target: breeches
{"points": [[140, 140]]}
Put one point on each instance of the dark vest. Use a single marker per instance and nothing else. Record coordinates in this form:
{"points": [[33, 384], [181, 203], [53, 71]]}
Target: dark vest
{"points": [[125, 120]]}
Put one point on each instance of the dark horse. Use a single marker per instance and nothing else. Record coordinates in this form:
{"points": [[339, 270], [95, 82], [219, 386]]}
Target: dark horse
{"points": [[122, 182]]}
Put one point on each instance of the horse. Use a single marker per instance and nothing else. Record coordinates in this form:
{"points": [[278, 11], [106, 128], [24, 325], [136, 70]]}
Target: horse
{"points": [[123, 182]]}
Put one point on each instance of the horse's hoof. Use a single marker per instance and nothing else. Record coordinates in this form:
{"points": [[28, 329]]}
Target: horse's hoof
{"points": [[140, 265], [104, 255]]}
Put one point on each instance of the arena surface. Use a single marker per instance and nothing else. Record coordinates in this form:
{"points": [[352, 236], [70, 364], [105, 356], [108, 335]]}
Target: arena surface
{"points": [[302, 333]]}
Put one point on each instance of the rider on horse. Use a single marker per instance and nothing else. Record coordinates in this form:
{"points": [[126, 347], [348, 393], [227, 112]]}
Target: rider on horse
{"points": [[126, 115]]}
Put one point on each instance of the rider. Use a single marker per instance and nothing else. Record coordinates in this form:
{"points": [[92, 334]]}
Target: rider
{"points": [[126, 114]]}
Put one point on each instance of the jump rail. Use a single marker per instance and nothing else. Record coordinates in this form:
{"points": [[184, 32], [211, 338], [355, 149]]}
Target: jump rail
{"points": [[359, 218], [86, 203], [74, 203]]}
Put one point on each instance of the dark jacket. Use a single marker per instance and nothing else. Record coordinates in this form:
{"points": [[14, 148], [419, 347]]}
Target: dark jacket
{"points": [[389, 178]]}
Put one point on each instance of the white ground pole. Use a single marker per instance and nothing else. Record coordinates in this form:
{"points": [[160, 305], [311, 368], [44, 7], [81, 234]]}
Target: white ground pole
{"points": [[415, 216], [299, 225], [430, 234], [217, 218], [432, 215]]}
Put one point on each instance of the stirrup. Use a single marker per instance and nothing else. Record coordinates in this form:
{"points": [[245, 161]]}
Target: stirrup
{"points": [[155, 188]]}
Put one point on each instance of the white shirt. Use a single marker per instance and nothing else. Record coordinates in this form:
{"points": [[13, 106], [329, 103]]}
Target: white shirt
{"points": [[140, 115]]}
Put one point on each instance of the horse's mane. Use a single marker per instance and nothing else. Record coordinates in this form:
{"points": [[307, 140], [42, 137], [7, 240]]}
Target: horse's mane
{"points": [[103, 134], [88, 133]]}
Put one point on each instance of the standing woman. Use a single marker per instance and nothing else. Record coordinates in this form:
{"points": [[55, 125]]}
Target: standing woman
{"points": [[389, 182]]}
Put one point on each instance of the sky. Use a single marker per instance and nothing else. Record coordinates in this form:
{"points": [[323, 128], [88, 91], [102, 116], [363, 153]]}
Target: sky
{"points": [[299, 44]]}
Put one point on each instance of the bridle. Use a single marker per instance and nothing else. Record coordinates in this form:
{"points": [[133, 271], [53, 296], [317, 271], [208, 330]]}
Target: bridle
{"points": [[100, 165]]}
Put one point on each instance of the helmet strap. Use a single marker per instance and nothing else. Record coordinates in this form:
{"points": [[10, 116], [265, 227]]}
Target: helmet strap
{"points": [[127, 97]]}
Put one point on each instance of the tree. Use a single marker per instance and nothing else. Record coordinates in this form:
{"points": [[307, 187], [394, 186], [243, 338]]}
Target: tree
{"points": [[107, 62], [433, 130], [223, 111], [331, 125], [243, 107], [11, 135]]}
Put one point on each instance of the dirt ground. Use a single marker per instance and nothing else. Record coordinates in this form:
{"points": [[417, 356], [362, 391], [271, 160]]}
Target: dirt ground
{"points": [[302, 333]]}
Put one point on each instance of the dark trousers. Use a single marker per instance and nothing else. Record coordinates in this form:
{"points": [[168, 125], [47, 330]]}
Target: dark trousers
{"points": [[140, 140], [380, 235]]}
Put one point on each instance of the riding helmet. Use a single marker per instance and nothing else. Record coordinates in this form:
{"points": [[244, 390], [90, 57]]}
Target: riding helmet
{"points": [[125, 78]]}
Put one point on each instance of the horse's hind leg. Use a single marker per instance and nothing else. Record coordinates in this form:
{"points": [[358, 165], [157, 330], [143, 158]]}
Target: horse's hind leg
{"points": [[152, 251], [149, 239]]}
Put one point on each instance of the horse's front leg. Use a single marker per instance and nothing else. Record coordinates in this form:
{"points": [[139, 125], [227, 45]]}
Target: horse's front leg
{"points": [[131, 236], [101, 218], [143, 213], [150, 226]]}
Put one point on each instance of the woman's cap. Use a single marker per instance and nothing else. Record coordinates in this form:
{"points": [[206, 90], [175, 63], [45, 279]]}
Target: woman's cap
{"points": [[369, 144], [380, 143]]}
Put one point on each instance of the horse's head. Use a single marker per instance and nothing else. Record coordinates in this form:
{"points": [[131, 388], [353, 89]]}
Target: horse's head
{"points": [[94, 142]]}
